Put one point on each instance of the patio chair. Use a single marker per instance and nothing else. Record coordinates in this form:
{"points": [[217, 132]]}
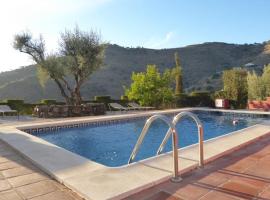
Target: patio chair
{"points": [[6, 109], [137, 106], [119, 107]]}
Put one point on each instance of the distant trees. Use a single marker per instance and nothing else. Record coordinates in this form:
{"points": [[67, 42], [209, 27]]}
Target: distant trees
{"points": [[256, 88], [80, 54], [235, 86], [240, 85], [259, 86], [151, 88], [178, 75], [266, 79]]}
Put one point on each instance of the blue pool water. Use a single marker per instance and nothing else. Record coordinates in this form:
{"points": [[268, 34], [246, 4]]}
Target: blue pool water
{"points": [[111, 145]]}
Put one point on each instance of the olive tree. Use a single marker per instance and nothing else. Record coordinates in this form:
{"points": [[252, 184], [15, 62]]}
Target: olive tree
{"points": [[80, 54]]}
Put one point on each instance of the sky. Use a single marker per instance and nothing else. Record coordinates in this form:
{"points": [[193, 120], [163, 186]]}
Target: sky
{"points": [[153, 24]]}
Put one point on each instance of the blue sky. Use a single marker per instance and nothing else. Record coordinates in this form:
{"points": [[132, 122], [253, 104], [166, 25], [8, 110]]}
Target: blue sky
{"points": [[148, 23]]}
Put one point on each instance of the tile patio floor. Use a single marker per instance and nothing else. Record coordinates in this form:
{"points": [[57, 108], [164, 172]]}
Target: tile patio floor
{"points": [[244, 174], [20, 180]]}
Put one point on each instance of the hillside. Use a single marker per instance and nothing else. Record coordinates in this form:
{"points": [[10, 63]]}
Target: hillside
{"points": [[200, 64]]}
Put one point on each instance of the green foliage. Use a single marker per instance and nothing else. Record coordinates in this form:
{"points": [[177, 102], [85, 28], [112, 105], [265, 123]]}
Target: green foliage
{"points": [[48, 101], [15, 104], [102, 98], [151, 88], [220, 94], [256, 87], [27, 109], [266, 79], [181, 100], [124, 98], [215, 76], [177, 72], [81, 53], [235, 86], [201, 98], [194, 99], [14, 101]]}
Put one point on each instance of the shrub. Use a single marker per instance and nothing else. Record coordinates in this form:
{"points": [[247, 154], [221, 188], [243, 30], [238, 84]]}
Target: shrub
{"points": [[102, 98], [48, 101], [220, 94], [124, 98], [15, 104], [27, 109], [256, 87], [181, 100], [215, 76], [201, 99], [235, 85], [151, 88]]}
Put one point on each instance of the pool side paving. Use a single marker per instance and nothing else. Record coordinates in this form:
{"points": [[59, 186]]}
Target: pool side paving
{"points": [[95, 181], [243, 174], [20, 179]]}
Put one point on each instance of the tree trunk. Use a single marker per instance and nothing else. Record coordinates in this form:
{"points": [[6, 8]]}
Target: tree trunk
{"points": [[77, 96], [69, 100]]}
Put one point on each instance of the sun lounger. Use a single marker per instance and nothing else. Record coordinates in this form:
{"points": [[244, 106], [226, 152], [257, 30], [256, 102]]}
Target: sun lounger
{"points": [[6, 109], [119, 107], [137, 106]]}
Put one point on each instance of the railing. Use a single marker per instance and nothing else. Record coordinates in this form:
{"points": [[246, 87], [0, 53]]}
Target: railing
{"points": [[146, 127], [176, 119], [171, 131]]}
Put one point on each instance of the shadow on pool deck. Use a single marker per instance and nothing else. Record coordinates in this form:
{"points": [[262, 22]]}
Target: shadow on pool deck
{"points": [[20, 179], [244, 174]]}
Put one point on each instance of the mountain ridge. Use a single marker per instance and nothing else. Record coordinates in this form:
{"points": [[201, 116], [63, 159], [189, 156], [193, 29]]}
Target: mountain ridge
{"points": [[199, 62]]}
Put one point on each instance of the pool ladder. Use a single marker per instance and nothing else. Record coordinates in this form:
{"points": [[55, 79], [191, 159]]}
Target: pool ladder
{"points": [[171, 131]]}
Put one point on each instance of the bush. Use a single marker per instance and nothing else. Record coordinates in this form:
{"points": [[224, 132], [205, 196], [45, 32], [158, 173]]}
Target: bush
{"points": [[236, 87], [15, 104], [124, 98], [103, 98], [215, 76], [201, 99], [181, 100], [151, 88], [48, 101], [220, 94], [27, 109]]}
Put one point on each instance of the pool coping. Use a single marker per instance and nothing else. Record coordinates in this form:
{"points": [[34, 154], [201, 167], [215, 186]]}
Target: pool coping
{"points": [[89, 178]]}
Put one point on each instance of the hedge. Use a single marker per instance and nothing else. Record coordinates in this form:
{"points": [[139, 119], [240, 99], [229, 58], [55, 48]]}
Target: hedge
{"points": [[102, 98], [15, 104], [48, 101], [125, 98], [194, 99]]}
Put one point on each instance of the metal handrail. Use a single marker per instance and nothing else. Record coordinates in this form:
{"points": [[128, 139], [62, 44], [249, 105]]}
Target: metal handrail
{"points": [[172, 129], [176, 119]]}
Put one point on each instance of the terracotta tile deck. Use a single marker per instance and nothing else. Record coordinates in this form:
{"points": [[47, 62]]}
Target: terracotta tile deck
{"points": [[244, 174], [19, 180]]}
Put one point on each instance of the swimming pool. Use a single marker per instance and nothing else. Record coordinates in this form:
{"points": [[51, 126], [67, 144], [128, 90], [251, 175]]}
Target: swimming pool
{"points": [[111, 144]]}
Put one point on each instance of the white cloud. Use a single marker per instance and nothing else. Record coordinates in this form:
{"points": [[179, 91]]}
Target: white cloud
{"points": [[39, 16], [157, 43]]}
